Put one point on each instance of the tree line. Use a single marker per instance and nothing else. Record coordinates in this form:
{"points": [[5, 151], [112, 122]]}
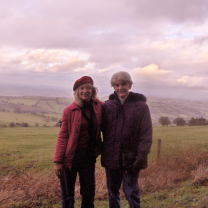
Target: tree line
{"points": [[179, 121]]}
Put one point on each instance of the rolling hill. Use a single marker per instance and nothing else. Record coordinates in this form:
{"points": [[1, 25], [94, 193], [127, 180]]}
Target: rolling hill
{"points": [[50, 107]]}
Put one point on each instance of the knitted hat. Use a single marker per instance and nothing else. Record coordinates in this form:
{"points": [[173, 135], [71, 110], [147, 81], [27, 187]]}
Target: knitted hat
{"points": [[82, 80]]}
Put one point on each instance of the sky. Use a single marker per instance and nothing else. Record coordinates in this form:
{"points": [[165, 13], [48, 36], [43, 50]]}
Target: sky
{"points": [[162, 44]]}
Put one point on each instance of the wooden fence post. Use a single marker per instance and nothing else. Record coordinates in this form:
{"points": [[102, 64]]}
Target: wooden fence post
{"points": [[158, 149]]}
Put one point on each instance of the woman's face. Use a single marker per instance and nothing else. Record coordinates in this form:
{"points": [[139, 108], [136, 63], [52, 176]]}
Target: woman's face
{"points": [[122, 89], [85, 92]]}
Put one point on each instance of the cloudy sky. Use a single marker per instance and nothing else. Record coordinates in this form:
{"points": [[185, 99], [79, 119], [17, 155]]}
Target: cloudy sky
{"points": [[163, 44]]}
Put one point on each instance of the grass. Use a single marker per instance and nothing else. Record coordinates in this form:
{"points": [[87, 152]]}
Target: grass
{"points": [[39, 142], [27, 146], [180, 179], [8, 117], [25, 101], [185, 195], [44, 105], [172, 137]]}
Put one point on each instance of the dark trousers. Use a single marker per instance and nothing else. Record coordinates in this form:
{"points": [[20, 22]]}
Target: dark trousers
{"points": [[130, 187], [87, 186]]}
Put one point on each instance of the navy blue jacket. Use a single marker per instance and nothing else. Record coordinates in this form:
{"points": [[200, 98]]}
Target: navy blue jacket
{"points": [[126, 127]]}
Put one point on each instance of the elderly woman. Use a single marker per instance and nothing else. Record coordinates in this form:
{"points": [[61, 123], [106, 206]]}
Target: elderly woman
{"points": [[127, 138], [79, 143]]}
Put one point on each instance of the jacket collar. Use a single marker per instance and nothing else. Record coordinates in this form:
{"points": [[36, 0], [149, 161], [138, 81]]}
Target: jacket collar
{"points": [[74, 106], [131, 97]]}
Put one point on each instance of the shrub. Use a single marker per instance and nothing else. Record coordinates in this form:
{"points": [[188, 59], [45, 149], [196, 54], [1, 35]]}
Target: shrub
{"points": [[54, 119], [3, 125], [12, 124], [24, 125], [17, 109], [179, 121], [164, 121], [47, 119], [58, 123], [197, 121]]}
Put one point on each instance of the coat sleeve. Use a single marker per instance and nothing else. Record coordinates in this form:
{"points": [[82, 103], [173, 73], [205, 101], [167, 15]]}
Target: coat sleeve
{"points": [[145, 135], [63, 137]]}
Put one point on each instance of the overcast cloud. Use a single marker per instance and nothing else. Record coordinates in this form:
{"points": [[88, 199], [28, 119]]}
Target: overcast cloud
{"points": [[163, 44]]}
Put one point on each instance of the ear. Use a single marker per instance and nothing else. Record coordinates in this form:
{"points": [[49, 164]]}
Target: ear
{"points": [[130, 85]]}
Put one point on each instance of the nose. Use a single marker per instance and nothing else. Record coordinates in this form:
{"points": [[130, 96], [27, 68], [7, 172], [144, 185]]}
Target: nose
{"points": [[85, 90], [120, 87]]}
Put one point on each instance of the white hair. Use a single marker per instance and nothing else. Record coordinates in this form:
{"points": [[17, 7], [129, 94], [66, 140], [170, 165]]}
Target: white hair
{"points": [[121, 76]]}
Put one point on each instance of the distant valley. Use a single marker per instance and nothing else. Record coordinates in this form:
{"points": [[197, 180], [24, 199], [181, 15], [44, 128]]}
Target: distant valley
{"points": [[171, 108]]}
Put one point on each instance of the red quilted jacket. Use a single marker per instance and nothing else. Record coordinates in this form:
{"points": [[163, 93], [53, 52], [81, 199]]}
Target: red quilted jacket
{"points": [[69, 133]]}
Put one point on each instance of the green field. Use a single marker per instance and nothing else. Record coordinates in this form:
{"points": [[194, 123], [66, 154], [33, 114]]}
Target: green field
{"points": [[32, 119], [172, 137], [31, 149], [26, 156], [27, 146], [39, 142]]}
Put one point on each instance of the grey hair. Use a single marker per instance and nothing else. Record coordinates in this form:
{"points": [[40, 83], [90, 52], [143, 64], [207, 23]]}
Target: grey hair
{"points": [[121, 76], [79, 101]]}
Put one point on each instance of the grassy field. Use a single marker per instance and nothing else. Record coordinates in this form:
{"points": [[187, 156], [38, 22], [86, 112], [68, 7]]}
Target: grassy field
{"points": [[8, 117], [25, 144], [26, 156], [25, 101], [174, 137], [28, 146]]}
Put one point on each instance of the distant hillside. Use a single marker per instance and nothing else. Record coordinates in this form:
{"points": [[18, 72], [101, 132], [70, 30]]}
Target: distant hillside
{"points": [[32, 110], [30, 104], [173, 108], [54, 105], [176, 108]]}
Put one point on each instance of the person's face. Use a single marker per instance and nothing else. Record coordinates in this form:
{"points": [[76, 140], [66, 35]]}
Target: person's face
{"points": [[122, 88], [85, 92]]}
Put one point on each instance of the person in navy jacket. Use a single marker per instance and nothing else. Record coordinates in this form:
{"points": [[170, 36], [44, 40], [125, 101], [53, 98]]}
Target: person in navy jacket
{"points": [[127, 138]]}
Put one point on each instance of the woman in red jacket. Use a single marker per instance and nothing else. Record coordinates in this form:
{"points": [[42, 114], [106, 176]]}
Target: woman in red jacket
{"points": [[79, 143]]}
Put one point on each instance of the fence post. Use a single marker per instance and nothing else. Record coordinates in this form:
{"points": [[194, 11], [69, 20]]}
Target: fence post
{"points": [[158, 149]]}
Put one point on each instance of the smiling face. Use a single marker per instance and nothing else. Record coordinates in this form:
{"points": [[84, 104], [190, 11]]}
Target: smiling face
{"points": [[122, 89], [85, 92]]}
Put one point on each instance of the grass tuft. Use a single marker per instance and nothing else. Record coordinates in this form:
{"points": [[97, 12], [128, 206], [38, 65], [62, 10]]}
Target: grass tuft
{"points": [[181, 164], [39, 189]]}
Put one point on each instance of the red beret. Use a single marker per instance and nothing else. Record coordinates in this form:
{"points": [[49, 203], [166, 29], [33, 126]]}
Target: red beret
{"points": [[82, 80]]}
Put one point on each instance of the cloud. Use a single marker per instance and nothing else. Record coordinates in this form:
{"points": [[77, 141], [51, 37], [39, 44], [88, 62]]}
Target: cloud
{"points": [[151, 70], [199, 82], [201, 39], [161, 44], [45, 60]]}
